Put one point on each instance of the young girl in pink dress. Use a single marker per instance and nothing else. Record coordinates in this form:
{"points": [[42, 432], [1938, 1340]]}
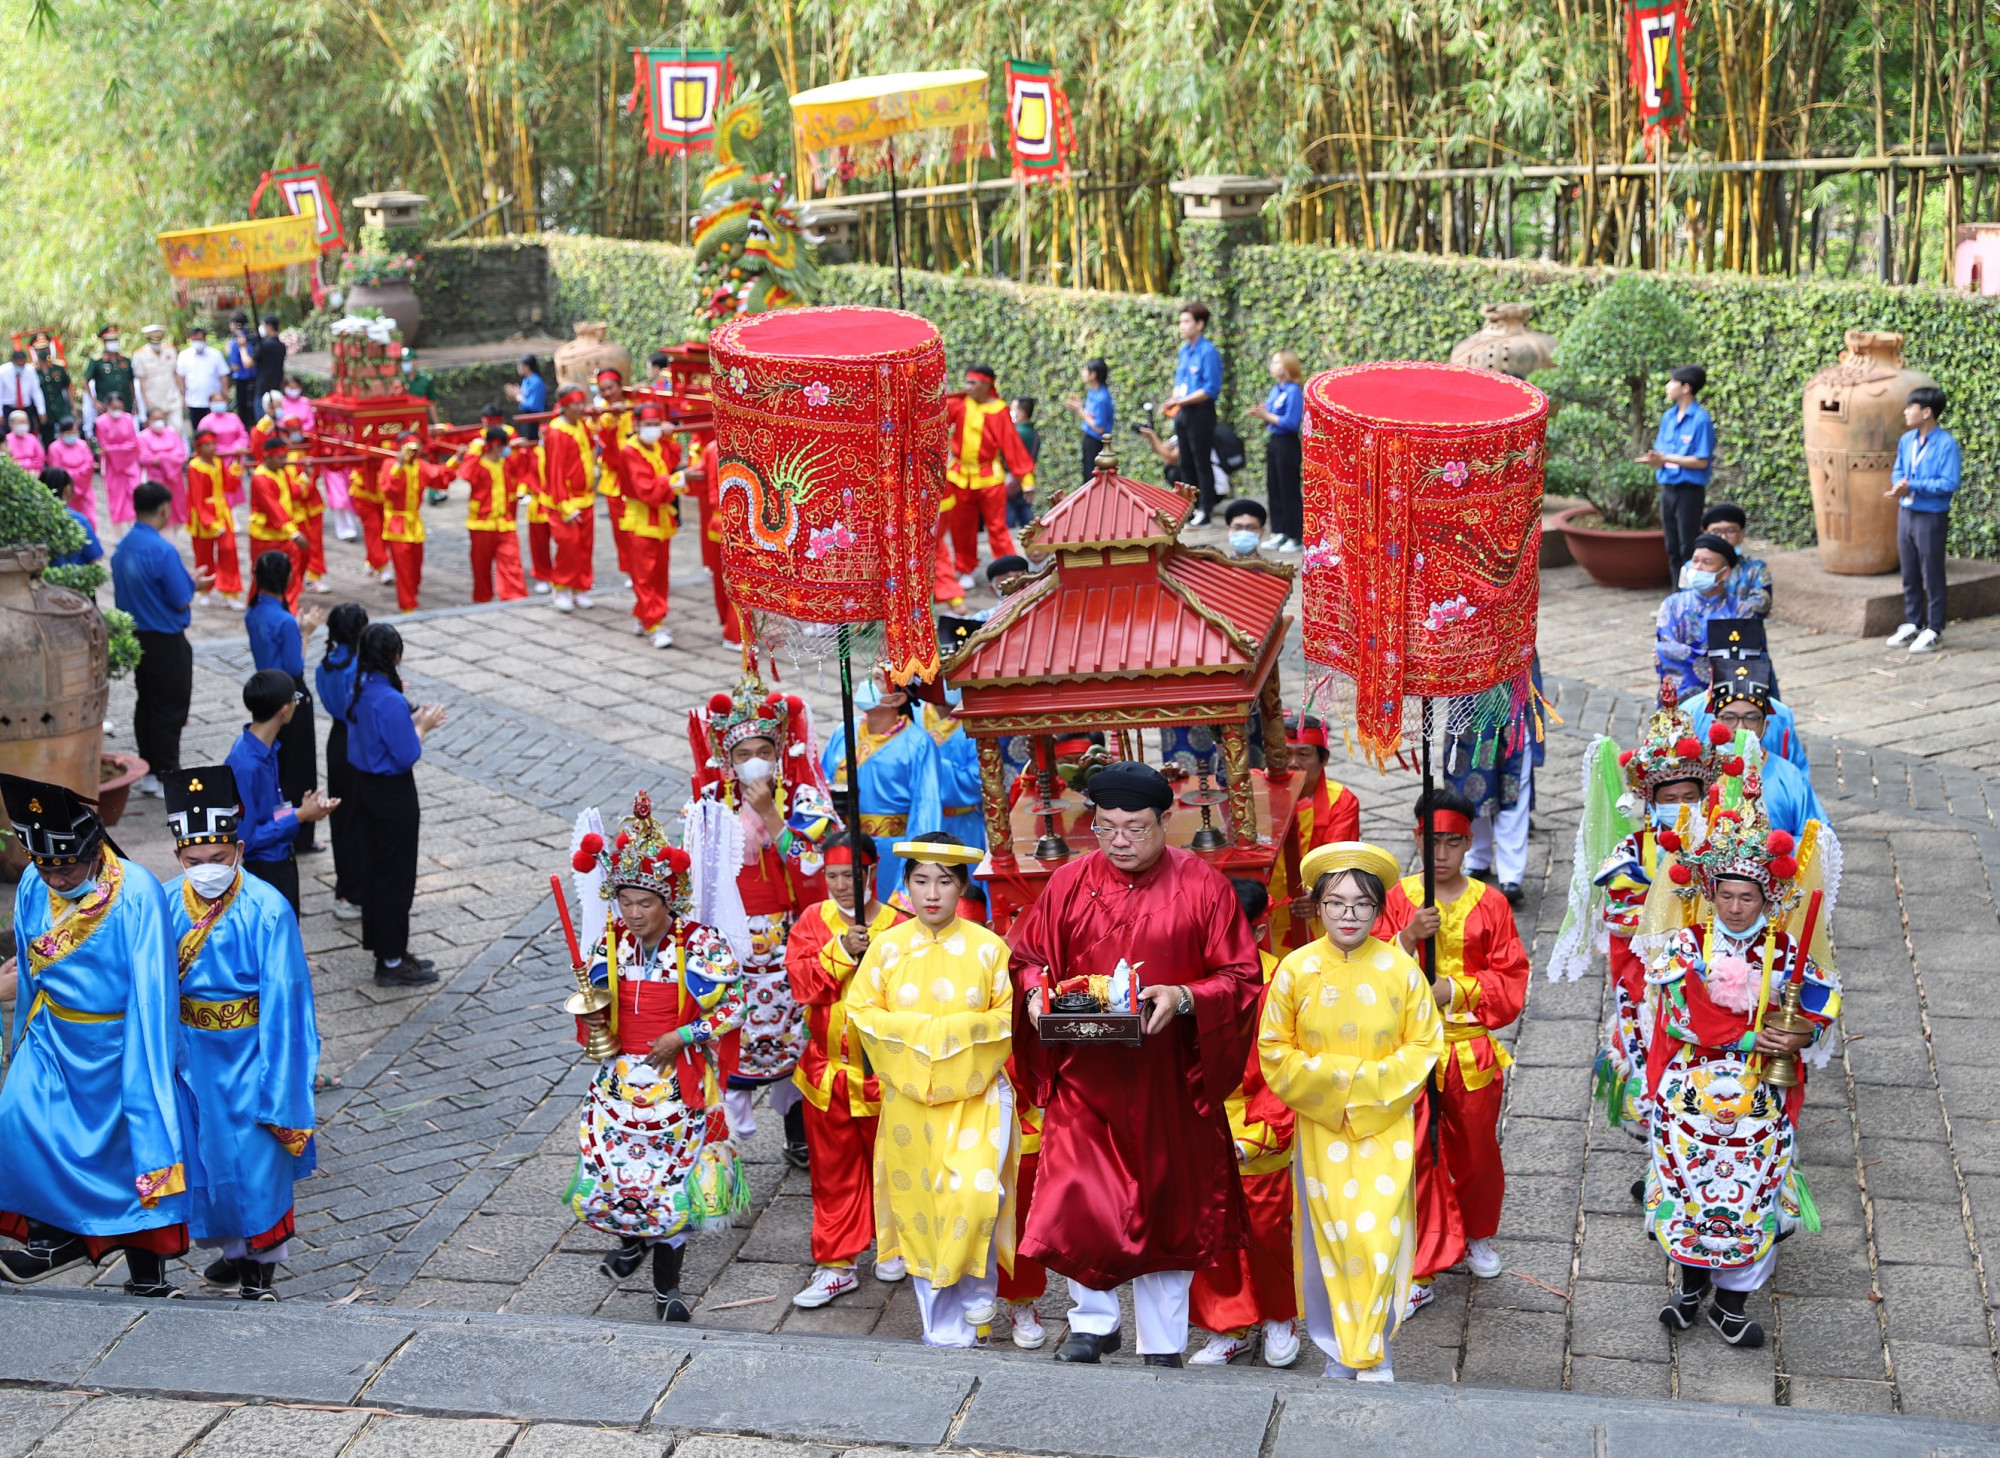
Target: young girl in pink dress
{"points": [[118, 440]]}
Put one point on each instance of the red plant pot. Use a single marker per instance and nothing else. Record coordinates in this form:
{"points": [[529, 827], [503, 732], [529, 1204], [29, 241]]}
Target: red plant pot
{"points": [[116, 777], [1616, 558]]}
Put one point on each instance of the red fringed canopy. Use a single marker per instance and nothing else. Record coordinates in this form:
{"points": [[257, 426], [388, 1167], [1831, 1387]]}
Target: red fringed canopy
{"points": [[1423, 490], [831, 428]]}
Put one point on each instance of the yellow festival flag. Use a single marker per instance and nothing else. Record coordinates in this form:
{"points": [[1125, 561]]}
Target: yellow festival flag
{"points": [[927, 116], [229, 249]]}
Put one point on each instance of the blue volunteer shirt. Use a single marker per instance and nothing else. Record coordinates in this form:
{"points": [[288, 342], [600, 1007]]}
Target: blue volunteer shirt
{"points": [[269, 824], [1097, 412], [91, 550], [1927, 468], [1287, 401], [1198, 366], [534, 394], [149, 582], [333, 680], [381, 735], [1692, 434], [274, 635]]}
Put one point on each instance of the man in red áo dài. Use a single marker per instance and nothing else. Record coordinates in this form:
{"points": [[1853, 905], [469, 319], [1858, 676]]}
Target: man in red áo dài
{"points": [[615, 430], [644, 516], [496, 482], [984, 458], [274, 519], [569, 475], [1481, 982], [211, 524], [403, 487]]}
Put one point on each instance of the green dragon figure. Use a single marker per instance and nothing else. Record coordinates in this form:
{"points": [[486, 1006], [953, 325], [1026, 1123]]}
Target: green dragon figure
{"points": [[751, 252]]}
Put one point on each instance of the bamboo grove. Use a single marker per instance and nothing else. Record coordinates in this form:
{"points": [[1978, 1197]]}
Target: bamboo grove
{"points": [[127, 118]]}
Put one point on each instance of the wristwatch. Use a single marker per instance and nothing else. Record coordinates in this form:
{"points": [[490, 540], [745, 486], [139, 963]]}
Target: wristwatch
{"points": [[1186, 1003]]}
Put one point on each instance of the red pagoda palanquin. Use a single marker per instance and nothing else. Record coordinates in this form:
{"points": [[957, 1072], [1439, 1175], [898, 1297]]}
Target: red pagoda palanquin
{"points": [[1129, 631]]}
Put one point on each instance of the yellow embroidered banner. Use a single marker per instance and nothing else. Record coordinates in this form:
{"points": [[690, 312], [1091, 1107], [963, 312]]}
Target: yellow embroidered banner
{"points": [[227, 250], [846, 128]]}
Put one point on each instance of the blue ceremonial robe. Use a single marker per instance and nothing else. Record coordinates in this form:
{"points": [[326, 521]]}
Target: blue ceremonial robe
{"points": [[1680, 634], [88, 1106], [958, 776], [1789, 798], [1781, 729], [898, 778], [239, 1075]]}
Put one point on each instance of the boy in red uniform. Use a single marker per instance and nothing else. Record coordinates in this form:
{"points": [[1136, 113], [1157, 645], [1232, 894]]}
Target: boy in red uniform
{"points": [[644, 462], [843, 1099], [984, 460], [1328, 812], [615, 429], [275, 524], [211, 524], [311, 508], [1254, 1286], [403, 486], [1481, 981], [489, 517], [569, 476]]}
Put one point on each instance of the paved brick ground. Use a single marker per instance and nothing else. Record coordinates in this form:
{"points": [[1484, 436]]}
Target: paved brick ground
{"points": [[448, 1143]]}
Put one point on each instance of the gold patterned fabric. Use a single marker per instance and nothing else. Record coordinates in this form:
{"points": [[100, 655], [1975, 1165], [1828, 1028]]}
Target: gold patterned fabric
{"points": [[219, 1017], [72, 923], [204, 915]]}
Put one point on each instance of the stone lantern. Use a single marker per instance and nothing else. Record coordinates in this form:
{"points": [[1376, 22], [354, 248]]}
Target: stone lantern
{"points": [[1224, 197]]}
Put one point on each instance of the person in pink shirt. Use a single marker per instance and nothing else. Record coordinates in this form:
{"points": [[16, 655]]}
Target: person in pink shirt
{"points": [[118, 440], [163, 458], [23, 444], [232, 442], [71, 452]]}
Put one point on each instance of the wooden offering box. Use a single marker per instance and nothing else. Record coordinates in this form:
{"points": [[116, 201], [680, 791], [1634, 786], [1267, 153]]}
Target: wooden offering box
{"points": [[1077, 1024]]}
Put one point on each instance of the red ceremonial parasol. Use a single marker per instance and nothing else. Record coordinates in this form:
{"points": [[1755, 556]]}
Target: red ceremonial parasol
{"points": [[1423, 494], [830, 433]]}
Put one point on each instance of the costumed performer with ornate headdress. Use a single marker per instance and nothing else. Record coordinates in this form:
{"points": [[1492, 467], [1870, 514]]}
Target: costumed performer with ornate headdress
{"points": [[89, 1117], [1722, 1188], [843, 1095], [249, 1046], [935, 1009], [656, 1160], [1629, 796], [754, 752], [1348, 1038]]}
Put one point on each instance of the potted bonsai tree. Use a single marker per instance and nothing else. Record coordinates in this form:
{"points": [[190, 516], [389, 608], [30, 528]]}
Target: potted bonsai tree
{"points": [[1608, 365]]}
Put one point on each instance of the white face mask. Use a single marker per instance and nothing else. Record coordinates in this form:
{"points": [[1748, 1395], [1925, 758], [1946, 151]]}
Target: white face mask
{"points": [[291, 394], [1242, 543], [20, 427], [211, 881], [650, 433], [77, 893], [756, 769], [111, 346]]}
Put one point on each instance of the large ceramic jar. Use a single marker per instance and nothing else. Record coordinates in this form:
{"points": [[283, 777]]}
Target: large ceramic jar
{"points": [[1853, 419], [397, 301], [1507, 344], [578, 361], [53, 675]]}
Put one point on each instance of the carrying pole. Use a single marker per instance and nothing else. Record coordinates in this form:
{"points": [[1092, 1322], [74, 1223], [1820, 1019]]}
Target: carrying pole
{"points": [[861, 867], [1430, 836]]}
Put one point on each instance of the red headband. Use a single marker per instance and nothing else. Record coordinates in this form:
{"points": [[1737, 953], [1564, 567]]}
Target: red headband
{"points": [[843, 855], [572, 392], [1309, 734], [610, 374], [1446, 822], [652, 412]]}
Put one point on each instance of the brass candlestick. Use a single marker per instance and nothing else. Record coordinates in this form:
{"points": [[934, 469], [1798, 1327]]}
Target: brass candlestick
{"points": [[1781, 1070], [602, 1043]]}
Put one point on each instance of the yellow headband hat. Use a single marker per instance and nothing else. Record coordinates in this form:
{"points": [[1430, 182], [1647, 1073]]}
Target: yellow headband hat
{"points": [[938, 854], [1350, 855]]}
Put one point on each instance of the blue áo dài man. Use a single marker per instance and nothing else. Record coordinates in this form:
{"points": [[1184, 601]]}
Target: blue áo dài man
{"points": [[248, 1044]]}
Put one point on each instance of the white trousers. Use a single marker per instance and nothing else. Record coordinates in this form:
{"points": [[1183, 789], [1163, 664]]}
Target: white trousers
{"points": [[236, 1249], [736, 1106], [1746, 1278], [944, 1307], [1159, 1299], [1500, 842]]}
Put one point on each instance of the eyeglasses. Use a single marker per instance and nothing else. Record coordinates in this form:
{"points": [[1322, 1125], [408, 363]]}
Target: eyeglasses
{"points": [[1349, 910], [298, 696], [1123, 834]]}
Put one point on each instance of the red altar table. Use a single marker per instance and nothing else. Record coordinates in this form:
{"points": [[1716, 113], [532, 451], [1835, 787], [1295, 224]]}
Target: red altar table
{"points": [[1128, 631]]}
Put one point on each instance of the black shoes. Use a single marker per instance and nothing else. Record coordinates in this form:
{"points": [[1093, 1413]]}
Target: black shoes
{"points": [[796, 1153], [1679, 1313], [1081, 1346], [410, 972], [1639, 1192], [622, 1262], [1725, 1314], [42, 1258], [256, 1279], [1164, 1359], [668, 1303], [224, 1274], [146, 1275], [1512, 891]]}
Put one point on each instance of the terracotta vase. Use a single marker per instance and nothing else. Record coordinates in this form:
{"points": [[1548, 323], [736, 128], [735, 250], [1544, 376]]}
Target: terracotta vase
{"points": [[1853, 419], [54, 678], [1635, 559], [578, 361], [1506, 343], [397, 301], [117, 774]]}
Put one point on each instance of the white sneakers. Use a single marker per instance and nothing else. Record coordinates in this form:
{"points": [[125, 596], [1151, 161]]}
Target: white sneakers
{"points": [[149, 784], [663, 639], [1901, 636], [893, 1269], [539, 588], [388, 572], [965, 581], [638, 628], [1029, 1333], [827, 1283], [1483, 1259], [1926, 641], [585, 600], [981, 1313], [1220, 1349], [345, 910], [563, 602], [1281, 1344], [1421, 1295]]}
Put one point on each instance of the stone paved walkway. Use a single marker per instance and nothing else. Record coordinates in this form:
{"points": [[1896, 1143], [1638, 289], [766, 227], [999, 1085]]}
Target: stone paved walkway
{"points": [[445, 1148]]}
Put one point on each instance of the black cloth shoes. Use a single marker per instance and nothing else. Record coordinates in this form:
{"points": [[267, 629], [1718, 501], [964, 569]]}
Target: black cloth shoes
{"points": [[1679, 1313], [146, 1275], [1081, 1346], [622, 1262], [1725, 1314], [42, 1257], [668, 1303], [410, 972], [224, 1274], [796, 1153], [256, 1277], [1164, 1359]]}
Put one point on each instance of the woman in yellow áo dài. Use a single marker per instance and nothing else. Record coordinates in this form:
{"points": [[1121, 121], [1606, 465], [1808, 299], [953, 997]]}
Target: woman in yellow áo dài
{"points": [[1348, 1036], [935, 1009]]}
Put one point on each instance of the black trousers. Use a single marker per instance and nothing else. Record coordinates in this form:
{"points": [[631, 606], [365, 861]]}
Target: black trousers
{"points": [[389, 820], [247, 409], [1920, 543], [1680, 518], [343, 826], [298, 760], [1194, 430], [1284, 483], [1092, 447], [164, 680], [284, 875]]}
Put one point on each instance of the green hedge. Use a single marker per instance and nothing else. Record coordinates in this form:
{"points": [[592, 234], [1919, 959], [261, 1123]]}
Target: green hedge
{"points": [[1764, 340]]}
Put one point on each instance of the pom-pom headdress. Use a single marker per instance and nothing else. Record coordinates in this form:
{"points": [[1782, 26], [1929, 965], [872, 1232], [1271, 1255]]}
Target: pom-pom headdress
{"points": [[639, 855], [1671, 750], [749, 711], [1738, 843]]}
